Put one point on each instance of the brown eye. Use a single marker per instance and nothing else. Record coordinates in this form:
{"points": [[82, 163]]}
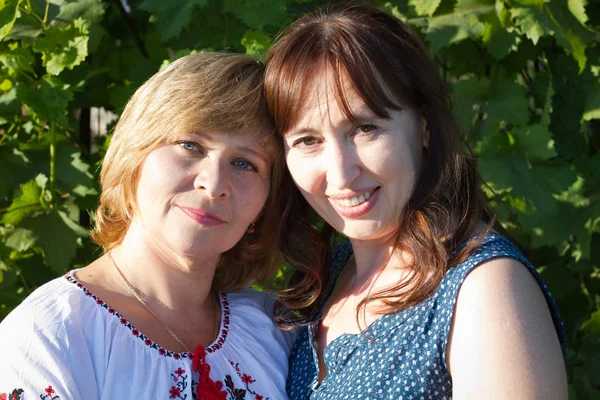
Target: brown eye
{"points": [[365, 128], [305, 142]]}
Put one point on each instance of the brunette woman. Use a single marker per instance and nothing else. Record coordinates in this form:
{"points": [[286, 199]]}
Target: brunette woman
{"points": [[425, 300]]}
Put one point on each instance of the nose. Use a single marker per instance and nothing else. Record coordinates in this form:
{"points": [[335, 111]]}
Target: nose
{"points": [[213, 179], [342, 164]]}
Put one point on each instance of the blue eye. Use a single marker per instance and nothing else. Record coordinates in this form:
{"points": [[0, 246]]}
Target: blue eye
{"points": [[189, 146], [245, 165]]}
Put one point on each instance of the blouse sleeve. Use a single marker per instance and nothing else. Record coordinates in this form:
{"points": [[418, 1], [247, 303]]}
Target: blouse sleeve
{"points": [[45, 363]]}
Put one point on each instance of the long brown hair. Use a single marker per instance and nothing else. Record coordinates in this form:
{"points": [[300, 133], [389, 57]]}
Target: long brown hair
{"points": [[221, 92], [388, 66]]}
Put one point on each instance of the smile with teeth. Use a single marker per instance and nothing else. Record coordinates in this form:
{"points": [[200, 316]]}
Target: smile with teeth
{"points": [[354, 201]]}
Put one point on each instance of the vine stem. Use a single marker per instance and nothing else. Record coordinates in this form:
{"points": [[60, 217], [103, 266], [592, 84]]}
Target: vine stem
{"points": [[52, 158], [24, 281], [46, 12]]}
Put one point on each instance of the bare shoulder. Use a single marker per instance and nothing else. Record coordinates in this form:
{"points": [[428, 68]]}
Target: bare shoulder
{"points": [[502, 342]]}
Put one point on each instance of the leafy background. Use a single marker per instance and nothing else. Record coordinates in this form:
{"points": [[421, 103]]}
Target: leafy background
{"points": [[525, 76]]}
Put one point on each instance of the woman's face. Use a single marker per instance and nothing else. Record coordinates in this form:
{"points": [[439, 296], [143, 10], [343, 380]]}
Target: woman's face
{"points": [[199, 194], [360, 176]]}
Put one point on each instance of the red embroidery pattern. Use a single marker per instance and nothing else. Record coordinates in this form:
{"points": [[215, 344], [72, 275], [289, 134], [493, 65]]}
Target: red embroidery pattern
{"points": [[247, 380], [179, 384], [49, 394], [17, 394], [225, 323], [14, 395]]}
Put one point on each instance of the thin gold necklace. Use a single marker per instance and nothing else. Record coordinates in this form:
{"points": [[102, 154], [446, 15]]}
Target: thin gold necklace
{"points": [[143, 303]]}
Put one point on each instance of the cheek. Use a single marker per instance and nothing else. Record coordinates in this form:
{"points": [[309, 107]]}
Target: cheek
{"points": [[253, 196], [304, 172]]}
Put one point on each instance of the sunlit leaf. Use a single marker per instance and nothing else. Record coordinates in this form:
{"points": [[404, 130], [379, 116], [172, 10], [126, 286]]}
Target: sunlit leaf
{"points": [[63, 47], [256, 43], [425, 7], [8, 14], [28, 202]]}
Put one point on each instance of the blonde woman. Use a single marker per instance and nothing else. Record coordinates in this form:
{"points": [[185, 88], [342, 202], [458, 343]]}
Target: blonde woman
{"points": [[188, 216]]}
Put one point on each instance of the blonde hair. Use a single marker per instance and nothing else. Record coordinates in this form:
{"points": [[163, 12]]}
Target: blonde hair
{"points": [[199, 92]]}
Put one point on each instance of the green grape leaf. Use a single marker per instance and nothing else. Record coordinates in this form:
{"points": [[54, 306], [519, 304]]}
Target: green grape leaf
{"points": [[425, 7], [56, 235], [9, 12], [558, 277], [469, 97], [15, 168], [173, 16], [498, 40], [556, 228], [63, 47], [448, 29], [256, 44], [48, 100], [568, 104], [21, 239], [258, 13], [72, 173], [27, 203], [536, 184], [507, 101], [18, 59], [474, 6], [577, 8], [34, 271], [533, 22], [592, 102], [503, 13], [26, 28], [90, 10], [576, 46], [591, 327], [9, 103], [535, 141]]}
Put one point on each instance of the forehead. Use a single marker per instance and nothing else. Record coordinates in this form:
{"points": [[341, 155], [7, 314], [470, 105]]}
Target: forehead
{"points": [[327, 99]]}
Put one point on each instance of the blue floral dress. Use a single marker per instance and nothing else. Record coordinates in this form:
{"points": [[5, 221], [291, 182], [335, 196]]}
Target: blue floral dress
{"points": [[401, 355]]}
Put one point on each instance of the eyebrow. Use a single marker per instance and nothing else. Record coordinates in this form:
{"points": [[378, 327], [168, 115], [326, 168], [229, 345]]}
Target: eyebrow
{"points": [[363, 113], [258, 154]]}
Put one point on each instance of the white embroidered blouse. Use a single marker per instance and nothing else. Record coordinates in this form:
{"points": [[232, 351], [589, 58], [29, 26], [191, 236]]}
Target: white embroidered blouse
{"points": [[65, 343]]}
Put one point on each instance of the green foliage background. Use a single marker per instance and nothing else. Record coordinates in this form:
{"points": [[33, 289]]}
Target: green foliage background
{"points": [[525, 76]]}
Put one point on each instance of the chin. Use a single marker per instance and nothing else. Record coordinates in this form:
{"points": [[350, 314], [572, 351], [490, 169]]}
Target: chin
{"points": [[368, 231], [195, 245]]}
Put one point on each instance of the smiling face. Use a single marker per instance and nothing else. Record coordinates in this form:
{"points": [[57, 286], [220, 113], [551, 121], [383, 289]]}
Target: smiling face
{"points": [[358, 176], [198, 195]]}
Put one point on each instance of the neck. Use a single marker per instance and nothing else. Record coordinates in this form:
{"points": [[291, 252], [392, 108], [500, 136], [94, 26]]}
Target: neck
{"points": [[370, 256], [174, 281]]}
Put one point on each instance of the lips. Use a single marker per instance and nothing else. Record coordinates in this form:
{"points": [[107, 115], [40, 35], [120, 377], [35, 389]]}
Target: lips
{"points": [[202, 217], [357, 205]]}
